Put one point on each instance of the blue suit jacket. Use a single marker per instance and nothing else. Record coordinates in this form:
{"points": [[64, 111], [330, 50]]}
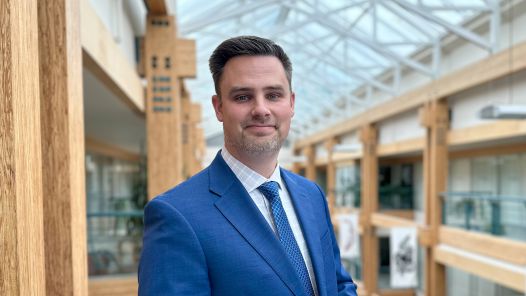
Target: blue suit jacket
{"points": [[207, 237]]}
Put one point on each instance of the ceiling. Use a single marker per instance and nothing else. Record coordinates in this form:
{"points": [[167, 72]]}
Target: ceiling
{"points": [[343, 52]]}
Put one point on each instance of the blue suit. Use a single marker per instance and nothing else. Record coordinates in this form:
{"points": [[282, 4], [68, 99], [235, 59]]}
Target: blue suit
{"points": [[207, 237]]}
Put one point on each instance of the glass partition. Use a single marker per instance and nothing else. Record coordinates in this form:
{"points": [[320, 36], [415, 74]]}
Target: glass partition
{"points": [[347, 190], [116, 194]]}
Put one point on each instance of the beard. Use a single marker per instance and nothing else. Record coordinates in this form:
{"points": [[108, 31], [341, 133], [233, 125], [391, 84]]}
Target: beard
{"points": [[254, 145]]}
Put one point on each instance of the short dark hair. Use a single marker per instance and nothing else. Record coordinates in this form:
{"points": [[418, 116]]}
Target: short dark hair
{"points": [[246, 45]]}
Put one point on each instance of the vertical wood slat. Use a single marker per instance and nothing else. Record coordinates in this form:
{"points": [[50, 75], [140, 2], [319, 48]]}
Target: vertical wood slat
{"points": [[369, 205], [163, 106], [62, 125], [21, 222], [435, 118]]}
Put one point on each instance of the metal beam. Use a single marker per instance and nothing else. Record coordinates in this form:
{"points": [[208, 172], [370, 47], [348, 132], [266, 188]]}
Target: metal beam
{"points": [[225, 15], [462, 32]]}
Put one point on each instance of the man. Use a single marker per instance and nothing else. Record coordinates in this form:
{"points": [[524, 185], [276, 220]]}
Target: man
{"points": [[244, 226]]}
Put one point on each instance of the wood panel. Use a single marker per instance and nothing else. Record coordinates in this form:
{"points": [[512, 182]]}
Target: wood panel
{"points": [[99, 147], [21, 198], [340, 157], [125, 286], [401, 147], [163, 107], [103, 57], [497, 130], [397, 292], [496, 66], [62, 125], [331, 174], [484, 244], [509, 276]]}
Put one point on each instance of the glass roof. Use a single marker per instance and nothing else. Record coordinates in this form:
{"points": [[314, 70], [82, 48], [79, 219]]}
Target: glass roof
{"points": [[342, 51]]}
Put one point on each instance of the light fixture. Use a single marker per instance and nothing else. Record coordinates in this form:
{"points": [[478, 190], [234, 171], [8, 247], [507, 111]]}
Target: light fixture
{"points": [[503, 112]]}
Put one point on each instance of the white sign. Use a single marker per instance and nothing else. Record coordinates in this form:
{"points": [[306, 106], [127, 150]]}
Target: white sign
{"points": [[349, 237], [403, 245]]}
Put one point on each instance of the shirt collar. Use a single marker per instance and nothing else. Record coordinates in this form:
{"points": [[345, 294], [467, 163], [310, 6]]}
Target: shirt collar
{"points": [[249, 178]]}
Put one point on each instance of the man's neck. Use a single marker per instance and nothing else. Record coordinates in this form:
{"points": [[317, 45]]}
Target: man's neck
{"points": [[264, 164]]}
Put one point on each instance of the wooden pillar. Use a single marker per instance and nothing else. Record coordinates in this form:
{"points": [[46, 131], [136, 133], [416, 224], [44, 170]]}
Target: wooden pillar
{"points": [[331, 174], [434, 117], [21, 197], [369, 205], [62, 125], [310, 162], [163, 105]]}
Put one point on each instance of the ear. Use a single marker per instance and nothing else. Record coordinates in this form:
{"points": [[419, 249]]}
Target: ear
{"points": [[292, 102], [218, 107]]}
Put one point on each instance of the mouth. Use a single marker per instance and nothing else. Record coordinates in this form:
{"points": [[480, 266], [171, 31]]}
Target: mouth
{"points": [[260, 129]]}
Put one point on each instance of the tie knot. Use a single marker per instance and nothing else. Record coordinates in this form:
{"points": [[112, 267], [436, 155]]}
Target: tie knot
{"points": [[270, 190]]}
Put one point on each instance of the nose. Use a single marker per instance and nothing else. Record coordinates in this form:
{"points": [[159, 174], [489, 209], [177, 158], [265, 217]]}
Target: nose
{"points": [[260, 108]]}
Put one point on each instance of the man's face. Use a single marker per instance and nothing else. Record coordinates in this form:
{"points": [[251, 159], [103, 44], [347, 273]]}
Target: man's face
{"points": [[256, 105]]}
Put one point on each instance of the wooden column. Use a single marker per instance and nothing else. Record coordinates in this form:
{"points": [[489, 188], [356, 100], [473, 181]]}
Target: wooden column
{"points": [[310, 162], [21, 197], [434, 117], [331, 174], [369, 205], [62, 124], [163, 105]]}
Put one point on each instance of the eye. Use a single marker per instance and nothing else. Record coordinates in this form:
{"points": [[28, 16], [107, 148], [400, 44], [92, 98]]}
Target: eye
{"points": [[274, 96], [241, 98]]}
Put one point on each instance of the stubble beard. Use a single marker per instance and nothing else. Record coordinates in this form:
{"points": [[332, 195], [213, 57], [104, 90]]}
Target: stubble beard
{"points": [[253, 146]]}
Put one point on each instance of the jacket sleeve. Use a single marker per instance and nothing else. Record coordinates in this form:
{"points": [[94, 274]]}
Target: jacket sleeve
{"points": [[346, 286], [172, 260]]}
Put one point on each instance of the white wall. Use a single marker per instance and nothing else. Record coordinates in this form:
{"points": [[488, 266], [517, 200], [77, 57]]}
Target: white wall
{"points": [[466, 105], [118, 22], [400, 127]]}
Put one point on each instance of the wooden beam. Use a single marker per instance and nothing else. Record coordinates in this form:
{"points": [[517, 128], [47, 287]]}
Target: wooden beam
{"points": [[62, 125], [435, 118], [499, 130], [163, 107], [369, 198], [488, 151], [157, 7], [185, 58], [99, 147], [388, 221], [22, 270], [397, 292], [331, 174], [504, 63], [103, 57], [507, 275], [484, 244], [126, 286], [401, 147], [310, 165], [346, 156]]}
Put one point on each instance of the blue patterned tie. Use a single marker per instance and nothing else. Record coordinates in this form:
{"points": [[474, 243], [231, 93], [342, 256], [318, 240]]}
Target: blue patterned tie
{"points": [[286, 237]]}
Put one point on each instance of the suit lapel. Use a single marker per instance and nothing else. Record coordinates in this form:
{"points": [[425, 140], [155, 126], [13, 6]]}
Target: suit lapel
{"points": [[305, 212], [238, 208]]}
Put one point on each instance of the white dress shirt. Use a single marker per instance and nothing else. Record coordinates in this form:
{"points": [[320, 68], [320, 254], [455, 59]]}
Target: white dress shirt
{"points": [[251, 180]]}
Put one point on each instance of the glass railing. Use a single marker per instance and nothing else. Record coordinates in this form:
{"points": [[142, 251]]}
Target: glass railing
{"points": [[348, 197], [396, 197], [114, 241], [485, 212]]}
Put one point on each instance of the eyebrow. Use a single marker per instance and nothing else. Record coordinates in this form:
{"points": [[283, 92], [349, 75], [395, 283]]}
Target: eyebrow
{"points": [[237, 89]]}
